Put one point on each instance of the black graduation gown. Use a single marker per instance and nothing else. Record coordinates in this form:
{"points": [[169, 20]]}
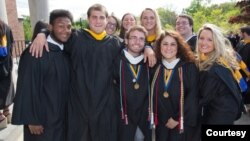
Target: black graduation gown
{"points": [[6, 83], [150, 43], [92, 115], [220, 96], [135, 101], [42, 90], [244, 52], [170, 106], [192, 42]]}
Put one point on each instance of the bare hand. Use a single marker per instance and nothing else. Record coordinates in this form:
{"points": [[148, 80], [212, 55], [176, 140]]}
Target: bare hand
{"points": [[172, 123], [36, 129], [149, 55], [36, 48]]}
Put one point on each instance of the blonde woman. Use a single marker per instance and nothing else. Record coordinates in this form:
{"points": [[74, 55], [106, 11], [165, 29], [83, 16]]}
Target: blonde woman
{"points": [[221, 100], [150, 20]]}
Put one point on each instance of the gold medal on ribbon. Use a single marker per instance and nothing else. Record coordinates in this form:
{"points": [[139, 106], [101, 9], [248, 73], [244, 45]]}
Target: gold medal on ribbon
{"points": [[165, 94], [136, 86]]}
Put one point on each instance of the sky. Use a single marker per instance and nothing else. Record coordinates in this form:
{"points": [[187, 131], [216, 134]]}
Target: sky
{"points": [[119, 7]]}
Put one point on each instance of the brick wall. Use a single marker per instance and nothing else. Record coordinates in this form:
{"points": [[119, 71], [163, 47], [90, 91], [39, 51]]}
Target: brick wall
{"points": [[16, 27]]}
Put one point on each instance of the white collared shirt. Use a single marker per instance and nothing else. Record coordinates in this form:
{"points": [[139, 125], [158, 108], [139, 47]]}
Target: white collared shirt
{"points": [[133, 60], [170, 65], [52, 41]]}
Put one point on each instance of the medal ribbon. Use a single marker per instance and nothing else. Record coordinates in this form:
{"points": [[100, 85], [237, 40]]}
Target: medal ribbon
{"points": [[135, 74], [168, 74]]}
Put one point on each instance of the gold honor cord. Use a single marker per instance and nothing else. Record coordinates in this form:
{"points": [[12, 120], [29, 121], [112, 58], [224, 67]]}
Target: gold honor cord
{"points": [[181, 101], [151, 105]]}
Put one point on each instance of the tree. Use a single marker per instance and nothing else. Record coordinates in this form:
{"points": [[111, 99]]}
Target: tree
{"points": [[28, 31], [27, 28], [81, 23], [244, 16], [167, 18], [218, 14]]}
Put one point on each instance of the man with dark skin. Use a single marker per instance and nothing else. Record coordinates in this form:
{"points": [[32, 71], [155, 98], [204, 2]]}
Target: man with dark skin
{"points": [[40, 102]]}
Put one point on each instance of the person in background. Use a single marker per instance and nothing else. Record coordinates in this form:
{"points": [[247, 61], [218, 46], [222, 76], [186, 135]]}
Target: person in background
{"points": [[174, 90], [128, 20], [150, 20], [185, 26], [7, 91], [38, 27], [113, 25], [232, 38], [243, 48], [43, 85], [132, 87], [220, 96]]}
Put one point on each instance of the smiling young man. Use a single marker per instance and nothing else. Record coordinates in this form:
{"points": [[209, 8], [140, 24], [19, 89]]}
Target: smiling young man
{"points": [[184, 26], [131, 79], [91, 109], [43, 85], [92, 115]]}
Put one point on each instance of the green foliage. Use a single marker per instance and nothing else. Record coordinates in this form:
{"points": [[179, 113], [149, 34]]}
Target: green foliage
{"points": [[167, 18], [27, 28], [168, 26], [80, 24], [203, 12]]}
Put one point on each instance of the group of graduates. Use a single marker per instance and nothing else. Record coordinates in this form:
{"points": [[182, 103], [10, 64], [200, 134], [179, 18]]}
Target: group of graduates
{"points": [[146, 84]]}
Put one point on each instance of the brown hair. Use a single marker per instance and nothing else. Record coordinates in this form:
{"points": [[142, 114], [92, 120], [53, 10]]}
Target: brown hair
{"points": [[183, 50], [123, 30], [97, 7], [190, 20], [136, 28]]}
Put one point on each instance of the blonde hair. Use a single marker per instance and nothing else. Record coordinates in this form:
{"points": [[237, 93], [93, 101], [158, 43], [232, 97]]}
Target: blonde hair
{"points": [[158, 28], [222, 49]]}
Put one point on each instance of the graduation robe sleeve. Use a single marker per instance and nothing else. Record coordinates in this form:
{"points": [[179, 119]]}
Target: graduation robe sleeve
{"points": [[27, 106], [191, 108], [218, 92]]}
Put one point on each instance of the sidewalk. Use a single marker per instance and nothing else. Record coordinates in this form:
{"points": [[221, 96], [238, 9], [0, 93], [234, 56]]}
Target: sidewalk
{"points": [[12, 132]]}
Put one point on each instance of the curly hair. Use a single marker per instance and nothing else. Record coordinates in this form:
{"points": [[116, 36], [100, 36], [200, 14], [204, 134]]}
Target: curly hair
{"points": [[183, 50]]}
